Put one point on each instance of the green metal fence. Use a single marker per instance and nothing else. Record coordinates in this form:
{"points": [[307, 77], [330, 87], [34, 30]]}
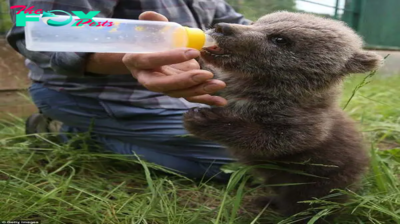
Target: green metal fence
{"points": [[376, 21], [336, 7]]}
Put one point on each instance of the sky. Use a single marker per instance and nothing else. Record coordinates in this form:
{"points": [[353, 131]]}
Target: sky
{"points": [[309, 7]]}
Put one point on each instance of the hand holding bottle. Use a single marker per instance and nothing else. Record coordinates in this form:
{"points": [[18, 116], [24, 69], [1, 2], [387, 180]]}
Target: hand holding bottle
{"points": [[175, 73]]}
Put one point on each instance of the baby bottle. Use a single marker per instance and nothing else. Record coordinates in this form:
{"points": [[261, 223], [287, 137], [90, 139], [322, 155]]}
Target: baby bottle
{"points": [[111, 35]]}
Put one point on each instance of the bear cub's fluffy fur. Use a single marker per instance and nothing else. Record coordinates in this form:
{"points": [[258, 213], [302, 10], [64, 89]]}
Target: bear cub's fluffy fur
{"points": [[284, 74]]}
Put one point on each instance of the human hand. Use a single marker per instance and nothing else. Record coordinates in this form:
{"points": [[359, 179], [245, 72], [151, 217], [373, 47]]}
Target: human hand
{"points": [[175, 73]]}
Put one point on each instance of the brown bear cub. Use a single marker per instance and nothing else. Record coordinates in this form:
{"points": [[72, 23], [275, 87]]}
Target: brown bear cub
{"points": [[284, 74]]}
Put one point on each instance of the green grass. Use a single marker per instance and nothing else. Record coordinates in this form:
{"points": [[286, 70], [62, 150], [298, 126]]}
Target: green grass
{"points": [[70, 184]]}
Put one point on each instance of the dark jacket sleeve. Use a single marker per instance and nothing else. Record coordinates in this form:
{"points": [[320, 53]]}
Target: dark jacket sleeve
{"points": [[226, 14]]}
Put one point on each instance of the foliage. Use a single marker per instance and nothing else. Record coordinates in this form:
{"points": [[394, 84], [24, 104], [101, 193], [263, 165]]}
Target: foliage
{"points": [[254, 9], [5, 20]]}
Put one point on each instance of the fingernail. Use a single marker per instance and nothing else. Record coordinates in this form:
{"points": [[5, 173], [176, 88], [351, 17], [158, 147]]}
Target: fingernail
{"points": [[191, 53], [199, 78], [211, 88], [219, 102], [222, 103]]}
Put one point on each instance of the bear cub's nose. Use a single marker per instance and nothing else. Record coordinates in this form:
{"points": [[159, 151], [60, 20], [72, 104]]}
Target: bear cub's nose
{"points": [[223, 28]]}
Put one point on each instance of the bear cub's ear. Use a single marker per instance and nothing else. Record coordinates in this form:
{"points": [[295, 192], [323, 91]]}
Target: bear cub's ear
{"points": [[363, 61]]}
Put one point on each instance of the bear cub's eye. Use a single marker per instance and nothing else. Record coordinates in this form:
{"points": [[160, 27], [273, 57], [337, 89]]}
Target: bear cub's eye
{"points": [[279, 40]]}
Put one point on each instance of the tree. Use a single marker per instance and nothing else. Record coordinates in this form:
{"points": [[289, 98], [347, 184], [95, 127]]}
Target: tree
{"points": [[254, 9]]}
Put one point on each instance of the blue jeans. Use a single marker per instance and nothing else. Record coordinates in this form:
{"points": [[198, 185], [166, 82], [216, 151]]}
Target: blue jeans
{"points": [[153, 134]]}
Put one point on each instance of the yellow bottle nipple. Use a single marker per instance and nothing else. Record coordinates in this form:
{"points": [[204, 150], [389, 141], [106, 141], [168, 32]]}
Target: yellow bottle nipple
{"points": [[196, 38], [192, 38]]}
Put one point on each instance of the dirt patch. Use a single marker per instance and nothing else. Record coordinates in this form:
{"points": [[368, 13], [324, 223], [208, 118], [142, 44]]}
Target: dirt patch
{"points": [[388, 145], [13, 83]]}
